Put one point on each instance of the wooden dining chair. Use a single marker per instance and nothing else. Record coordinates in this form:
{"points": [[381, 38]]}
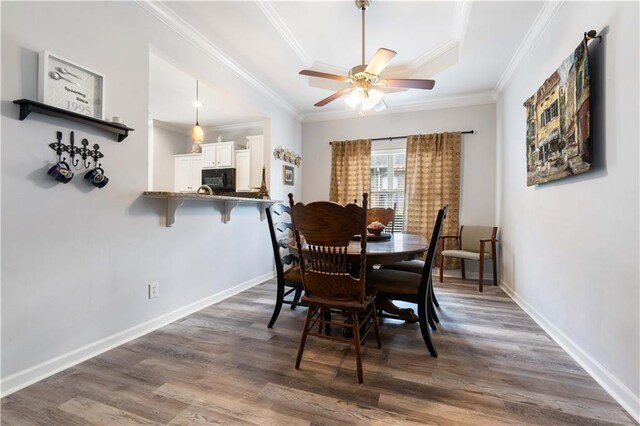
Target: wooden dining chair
{"points": [[474, 243], [329, 289], [411, 287], [416, 266], [386, 216], [288, 280]]}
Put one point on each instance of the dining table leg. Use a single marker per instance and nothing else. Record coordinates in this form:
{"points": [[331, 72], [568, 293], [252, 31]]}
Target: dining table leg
{"points": [[389, 307]]}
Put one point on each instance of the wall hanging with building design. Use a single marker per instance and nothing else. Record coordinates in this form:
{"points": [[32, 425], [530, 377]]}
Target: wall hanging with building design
{"points": [[558, 121]]}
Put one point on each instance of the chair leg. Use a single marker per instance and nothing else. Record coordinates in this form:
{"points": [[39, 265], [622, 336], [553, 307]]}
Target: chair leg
{"points": [[327, 317], [464, 275], [432, 305], [433, 297], [495, 270], [376, 327], [323, 317], [296, 298], [278, 307], [424, 328], [356, 341], [481, 279], [305, 331], [441, 266], [430, 312]]}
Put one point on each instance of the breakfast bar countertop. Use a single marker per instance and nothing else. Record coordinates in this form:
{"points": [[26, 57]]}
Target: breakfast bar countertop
{"points": [[238, 196], [229, 201]]}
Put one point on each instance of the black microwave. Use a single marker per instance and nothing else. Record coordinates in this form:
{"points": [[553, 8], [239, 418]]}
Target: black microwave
{"points": [[220, 179]]}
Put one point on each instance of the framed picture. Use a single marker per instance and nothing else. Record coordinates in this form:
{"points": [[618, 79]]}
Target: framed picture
{"points": [[69, 86], [287, 175]]}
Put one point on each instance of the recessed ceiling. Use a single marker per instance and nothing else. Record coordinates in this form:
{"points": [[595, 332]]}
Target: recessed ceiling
{"points": [[464, 46]]}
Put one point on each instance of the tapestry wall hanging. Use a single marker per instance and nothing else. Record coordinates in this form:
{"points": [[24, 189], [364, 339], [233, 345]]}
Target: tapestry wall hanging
{"points": [[558, 122]]}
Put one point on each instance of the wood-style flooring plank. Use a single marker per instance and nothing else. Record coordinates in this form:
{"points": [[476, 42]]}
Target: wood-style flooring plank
{"points": [[222, 365]]}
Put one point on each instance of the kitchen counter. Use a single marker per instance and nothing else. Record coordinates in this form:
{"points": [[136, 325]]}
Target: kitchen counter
{"points": [[228, 200]]}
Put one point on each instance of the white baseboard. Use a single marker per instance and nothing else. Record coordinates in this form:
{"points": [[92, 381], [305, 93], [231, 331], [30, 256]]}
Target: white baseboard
{"points": [[28, 376], [614, 387]]}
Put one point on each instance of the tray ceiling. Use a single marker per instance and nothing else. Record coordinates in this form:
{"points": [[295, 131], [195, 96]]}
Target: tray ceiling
{"points": [[464, 46]]}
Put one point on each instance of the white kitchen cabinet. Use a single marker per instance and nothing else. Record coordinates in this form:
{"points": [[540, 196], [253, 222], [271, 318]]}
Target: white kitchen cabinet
{"points": [[187, 172], [255, 144], [218, 155], [243, 170]]}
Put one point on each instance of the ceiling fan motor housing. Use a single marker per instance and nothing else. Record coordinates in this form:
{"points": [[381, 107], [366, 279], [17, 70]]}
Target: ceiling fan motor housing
{"points": [[358, 73]]}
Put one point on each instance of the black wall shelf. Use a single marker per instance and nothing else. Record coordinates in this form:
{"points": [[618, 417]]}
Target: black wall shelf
{"points": [[28, 106]]}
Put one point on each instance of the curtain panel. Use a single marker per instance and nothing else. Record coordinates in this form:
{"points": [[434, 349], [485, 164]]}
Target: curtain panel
{"points": [[433, 181], [350, 170]]}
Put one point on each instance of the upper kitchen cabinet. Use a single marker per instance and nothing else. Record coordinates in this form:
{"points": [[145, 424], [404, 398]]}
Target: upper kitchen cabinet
{"points": [[220, 155], [249, 164], [187, 172], [255, 144]]}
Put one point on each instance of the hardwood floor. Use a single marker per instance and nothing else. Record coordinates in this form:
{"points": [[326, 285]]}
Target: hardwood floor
{"points": [[223, 366]]}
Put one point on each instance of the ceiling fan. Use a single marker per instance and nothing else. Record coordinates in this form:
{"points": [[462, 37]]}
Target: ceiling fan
{"points": [[364, 80]]}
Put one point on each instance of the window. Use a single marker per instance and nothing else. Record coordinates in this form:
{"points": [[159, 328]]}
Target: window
{"points": [[554, 109], [387, 182]]}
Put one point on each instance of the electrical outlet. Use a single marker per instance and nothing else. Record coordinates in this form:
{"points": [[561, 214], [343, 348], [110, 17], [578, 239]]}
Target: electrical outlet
{"points": [[154, 290]]}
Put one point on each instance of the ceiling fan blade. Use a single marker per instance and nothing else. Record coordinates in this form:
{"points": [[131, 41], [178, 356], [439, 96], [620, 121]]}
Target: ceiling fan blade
{"points": [[410, 83], [319, 74], [381, 106], [380, 61], [333, 97]]}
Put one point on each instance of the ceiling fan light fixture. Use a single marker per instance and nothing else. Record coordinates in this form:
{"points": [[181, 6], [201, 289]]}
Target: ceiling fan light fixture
{"points": [[355, 97], [372, 99], [364, 99]]}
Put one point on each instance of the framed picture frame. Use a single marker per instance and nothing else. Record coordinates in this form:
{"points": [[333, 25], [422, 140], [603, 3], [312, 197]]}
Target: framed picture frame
{"points": [[66, 85], [287, 175]]}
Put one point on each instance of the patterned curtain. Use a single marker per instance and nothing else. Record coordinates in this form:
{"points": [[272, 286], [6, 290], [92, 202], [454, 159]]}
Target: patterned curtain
{"points": [[433, 181], [350, 170]]}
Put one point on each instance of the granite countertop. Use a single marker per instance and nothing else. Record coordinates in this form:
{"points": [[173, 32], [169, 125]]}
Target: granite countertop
{"points": [[234, 196]]}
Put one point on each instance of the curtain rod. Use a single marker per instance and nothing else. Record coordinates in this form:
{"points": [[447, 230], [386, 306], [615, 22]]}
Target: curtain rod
{"points": [[466, 132]]}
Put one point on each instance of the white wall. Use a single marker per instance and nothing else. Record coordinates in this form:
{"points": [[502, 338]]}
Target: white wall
{"points": [[76, 262], [571, 248], [477, 204], [167, 143], [238, 135]]}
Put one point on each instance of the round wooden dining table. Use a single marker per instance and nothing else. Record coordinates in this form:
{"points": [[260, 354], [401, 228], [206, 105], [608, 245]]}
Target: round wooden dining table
{"points": [[400, 246]]}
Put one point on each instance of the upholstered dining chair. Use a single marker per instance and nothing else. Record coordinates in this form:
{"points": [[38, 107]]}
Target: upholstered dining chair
{"points": [[472, 245], [411, 287], [326, 229], [289, 280], [385, 216]]}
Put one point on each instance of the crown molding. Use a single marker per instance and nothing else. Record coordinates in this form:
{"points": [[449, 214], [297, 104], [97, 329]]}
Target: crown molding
{"points": [[540, 23], [234, 126], [185, 129], [461, 22], [282, 28], [173, 127], [189, 33], [482, 98]]}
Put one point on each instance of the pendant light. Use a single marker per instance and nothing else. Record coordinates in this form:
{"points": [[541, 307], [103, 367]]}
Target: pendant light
{"points": [[197, 135]]}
